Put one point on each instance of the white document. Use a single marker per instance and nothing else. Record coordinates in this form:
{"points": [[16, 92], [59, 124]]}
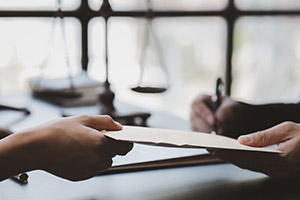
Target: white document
{"points": [[164, 137], [148, 153]]}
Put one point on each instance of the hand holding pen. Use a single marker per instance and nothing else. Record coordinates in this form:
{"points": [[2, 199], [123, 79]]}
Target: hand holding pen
{"points": [[221, 114], [204, 110]]}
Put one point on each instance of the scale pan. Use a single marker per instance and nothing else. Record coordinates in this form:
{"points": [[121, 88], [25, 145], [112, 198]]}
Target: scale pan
{"points": [[149, 90]]}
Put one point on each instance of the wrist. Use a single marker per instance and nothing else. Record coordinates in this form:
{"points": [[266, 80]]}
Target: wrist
{"points": [[17, 154]]}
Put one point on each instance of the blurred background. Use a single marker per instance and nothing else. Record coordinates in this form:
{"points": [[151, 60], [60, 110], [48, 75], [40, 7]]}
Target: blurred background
{"points": [[265, 56]]}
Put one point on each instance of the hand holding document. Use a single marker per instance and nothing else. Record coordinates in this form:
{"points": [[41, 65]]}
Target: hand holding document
{"points": [[163, 137]]}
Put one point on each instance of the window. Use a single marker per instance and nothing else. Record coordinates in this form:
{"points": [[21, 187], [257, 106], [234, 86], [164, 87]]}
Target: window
{"points": [[266, 61], [268, 4], [241, 40], [38, 5], [193, 58]]}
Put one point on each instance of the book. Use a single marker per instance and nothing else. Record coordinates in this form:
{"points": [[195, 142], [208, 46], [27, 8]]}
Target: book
{"points": [[67, 91], [192, 160]]}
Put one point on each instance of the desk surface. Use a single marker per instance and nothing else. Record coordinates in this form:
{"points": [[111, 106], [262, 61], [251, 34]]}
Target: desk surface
{"points": [[222, 181]]}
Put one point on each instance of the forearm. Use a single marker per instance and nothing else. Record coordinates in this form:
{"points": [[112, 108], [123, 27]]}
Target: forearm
{"points": [[14, 158]]}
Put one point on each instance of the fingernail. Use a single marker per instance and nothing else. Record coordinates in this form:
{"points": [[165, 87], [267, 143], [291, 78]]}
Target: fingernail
{"points": [[118, 123], [245, 139]]}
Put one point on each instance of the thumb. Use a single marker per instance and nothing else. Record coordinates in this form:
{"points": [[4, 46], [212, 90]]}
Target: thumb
{"points": [[99, 122], [274, 135]]}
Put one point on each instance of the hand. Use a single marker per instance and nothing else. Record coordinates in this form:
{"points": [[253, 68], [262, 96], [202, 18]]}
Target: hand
{"points": [[232, 117], [73, 148], [287, 164]]}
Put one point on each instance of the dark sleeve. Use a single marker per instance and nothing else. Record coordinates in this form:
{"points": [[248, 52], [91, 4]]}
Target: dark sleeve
{"points": [[268, 115]]}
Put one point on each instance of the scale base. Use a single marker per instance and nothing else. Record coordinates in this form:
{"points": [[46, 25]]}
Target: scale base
{"points": [[125, 114]]}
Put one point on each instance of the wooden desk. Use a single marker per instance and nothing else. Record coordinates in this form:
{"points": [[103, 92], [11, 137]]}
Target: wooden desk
{"points": [[222, 181]]}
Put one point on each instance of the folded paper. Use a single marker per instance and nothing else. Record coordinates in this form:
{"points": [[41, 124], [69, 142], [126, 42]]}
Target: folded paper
{"points": [[164, 137]]}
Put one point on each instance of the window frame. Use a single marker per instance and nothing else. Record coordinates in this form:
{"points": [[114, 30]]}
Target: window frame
{"points": [[84, 14]]}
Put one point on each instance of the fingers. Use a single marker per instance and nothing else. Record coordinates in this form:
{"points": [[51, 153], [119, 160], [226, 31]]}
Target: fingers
{"points": [[98, 167], [201, 108], [274, 135], [201, 116], [199, 124], [112, 146], [100, 122], [104, 122], [108, 145], [104, 165]]}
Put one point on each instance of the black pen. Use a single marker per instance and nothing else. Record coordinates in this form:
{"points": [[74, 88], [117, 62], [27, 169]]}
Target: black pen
{"points": [[216, 100], [21, 178]]}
